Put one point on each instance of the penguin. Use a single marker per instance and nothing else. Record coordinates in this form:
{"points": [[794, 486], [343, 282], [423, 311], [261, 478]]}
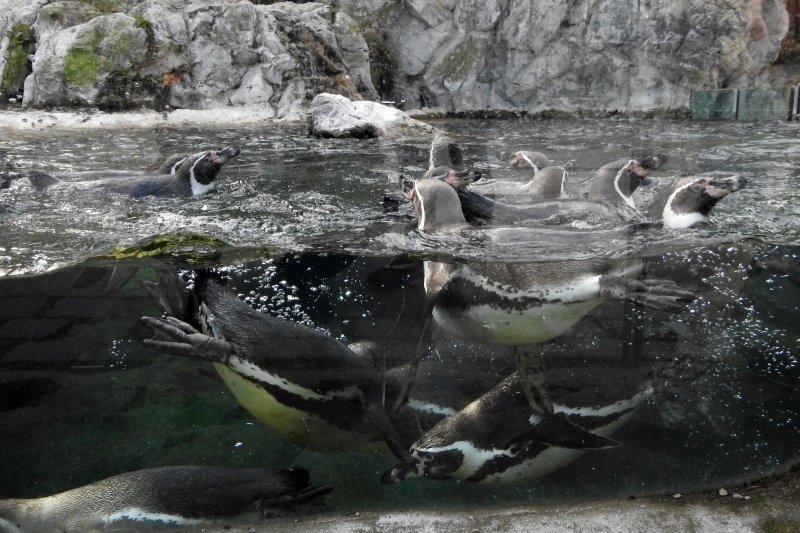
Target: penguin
{"points": [[533, 160], [194, 175], [688, 201], [312, 389], [481, 210], [497, 439], [445, 152], [615, 182], [523, 304], [165, 496], [547, 183]]}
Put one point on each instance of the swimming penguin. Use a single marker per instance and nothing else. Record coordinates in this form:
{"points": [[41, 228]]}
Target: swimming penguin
{"points": [[497, 439], [481, 210], [547, 183], [615, 182], [309, 387], [516, 302], [194, 175], [522, 304], [445, 152], [166, 496], [688, 201], [533, 160]]}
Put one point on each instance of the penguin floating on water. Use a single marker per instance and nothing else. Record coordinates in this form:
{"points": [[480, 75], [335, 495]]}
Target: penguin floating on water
{"points": [[688, 201], [165, 496], [178, 176]]}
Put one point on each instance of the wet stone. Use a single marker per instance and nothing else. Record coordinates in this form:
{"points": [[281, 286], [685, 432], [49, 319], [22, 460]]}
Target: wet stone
{"points": [[31, 329]]}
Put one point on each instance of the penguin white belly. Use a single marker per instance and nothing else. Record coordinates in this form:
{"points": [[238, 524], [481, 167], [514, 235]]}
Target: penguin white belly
{"points": [[489, 324], [299, 427], [551, 312]]}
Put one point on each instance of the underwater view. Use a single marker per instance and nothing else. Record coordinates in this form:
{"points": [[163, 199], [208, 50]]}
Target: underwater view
{"points": [[328, 309]]}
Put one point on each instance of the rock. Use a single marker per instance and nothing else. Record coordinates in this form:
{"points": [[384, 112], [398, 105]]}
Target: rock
{"points": [[71, 65], [598, 56], [332, 115]]}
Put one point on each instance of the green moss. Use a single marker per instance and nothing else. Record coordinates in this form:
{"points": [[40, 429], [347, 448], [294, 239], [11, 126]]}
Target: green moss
{"points": [[457, 65], [81, 67], [142, 22], [21, 44]]}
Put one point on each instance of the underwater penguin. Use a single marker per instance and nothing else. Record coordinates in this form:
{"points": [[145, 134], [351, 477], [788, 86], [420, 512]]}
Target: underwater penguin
{"points": [[615, 182], [194, 175], [688, 201], [508, 303], [497, 439], [309, 387], [162, 497], [523, 304]]}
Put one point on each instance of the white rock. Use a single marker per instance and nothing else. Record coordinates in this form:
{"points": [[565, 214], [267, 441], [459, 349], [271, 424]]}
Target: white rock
{"points": [[332, 115]]}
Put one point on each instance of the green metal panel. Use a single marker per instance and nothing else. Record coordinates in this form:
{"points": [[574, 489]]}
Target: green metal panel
{"points": [[764, 104], [713, 105]]}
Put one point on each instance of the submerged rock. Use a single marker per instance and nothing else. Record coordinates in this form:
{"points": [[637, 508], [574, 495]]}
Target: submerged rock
{"points": [[332, 115]]}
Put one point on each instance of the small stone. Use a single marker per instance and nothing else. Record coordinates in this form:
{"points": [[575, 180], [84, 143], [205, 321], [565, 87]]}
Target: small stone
{"points": [[357, 515], [737, 496], [677, 496], [723, 492]]}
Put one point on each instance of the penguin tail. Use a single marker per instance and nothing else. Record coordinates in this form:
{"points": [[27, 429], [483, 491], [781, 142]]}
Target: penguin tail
{"points": [[558, 430], [41, 180]]}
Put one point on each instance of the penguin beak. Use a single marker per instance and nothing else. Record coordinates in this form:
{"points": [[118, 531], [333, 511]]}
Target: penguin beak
{"points": [[460, 179], [407, 186], [222, 157]]}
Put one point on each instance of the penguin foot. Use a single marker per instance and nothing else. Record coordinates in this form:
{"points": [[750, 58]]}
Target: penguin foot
{"points": [[661, 294], [269, 507], [184, 340]]}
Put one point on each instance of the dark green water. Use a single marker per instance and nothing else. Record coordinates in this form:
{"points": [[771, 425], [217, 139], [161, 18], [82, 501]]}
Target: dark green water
{"points": [[299, 228]]}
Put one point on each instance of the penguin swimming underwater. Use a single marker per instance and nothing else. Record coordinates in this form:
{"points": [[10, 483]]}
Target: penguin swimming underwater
{"points": [[193, 175], [688, 201], [165, 496], [467, 296], [521, 305], [497, 439], [312, 389]]}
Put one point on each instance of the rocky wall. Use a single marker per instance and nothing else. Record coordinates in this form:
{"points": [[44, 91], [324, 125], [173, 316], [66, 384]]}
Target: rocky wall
{"points": [[457, 56]]}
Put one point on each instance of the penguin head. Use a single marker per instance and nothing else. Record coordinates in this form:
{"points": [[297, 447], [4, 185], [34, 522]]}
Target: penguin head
{"points": [[437, 205], [692, 199], [201, 169], [433, 464]]}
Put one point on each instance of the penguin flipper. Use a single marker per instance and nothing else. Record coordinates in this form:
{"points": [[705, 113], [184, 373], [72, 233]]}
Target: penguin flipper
{"points": [[558, 430], [662, 294], [183, 340]]}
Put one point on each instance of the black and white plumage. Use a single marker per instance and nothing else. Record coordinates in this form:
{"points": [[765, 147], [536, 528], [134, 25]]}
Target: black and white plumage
{"points": [[194, 175], [497, 438], [688, 201], [162, 497]]}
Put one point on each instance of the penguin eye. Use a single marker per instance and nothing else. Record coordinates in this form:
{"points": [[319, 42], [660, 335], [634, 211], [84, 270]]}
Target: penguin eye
{"points": [[696, 187]]}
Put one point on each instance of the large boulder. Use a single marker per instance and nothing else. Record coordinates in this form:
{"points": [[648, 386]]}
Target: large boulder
{"points": [[332, 115], [73, 65]]}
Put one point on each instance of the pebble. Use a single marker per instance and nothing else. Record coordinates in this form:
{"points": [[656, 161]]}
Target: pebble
{"points": [[677, 496], [737, 496], [723, 492]]}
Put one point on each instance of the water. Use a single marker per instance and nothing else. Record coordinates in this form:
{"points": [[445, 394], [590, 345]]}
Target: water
{"points": [[298, 228]]}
